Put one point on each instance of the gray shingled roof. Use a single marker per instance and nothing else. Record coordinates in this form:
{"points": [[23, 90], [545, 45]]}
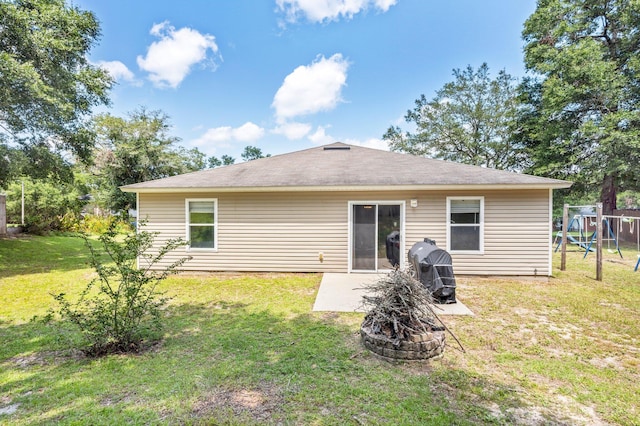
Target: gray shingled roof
{"points": [[339, 165]]}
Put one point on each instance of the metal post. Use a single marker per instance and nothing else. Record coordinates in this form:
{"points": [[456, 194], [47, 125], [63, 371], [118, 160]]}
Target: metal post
{"points": [[599, 241], [22, 203], [565, 235]]}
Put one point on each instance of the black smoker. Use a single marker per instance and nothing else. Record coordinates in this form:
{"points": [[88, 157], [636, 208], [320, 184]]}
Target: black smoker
{"points": [[434, 269], [393, 248]]}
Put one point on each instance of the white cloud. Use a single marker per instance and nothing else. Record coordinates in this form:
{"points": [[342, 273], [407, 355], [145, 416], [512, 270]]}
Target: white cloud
{"points": [[369, 143], [293, 131], [248, 132], [214, 135], [222, 137], [399, 121], [118, 71], [156, 29], [328, 10], [170, 59], [311, 88], [319, 137], [384, 5]]}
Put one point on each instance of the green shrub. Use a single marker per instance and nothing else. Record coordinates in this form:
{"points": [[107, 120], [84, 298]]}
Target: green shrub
{"points": [[120, 310], [97, 225], [93, 224], [45, 204], [70, 221]]}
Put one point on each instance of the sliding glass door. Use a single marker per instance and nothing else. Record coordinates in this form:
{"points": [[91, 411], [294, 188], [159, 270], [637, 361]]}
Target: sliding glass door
{"points": [[375, 236]]}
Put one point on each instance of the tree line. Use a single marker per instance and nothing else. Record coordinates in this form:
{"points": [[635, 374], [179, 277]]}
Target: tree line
{"points": [[49, 139], [575, 116]]}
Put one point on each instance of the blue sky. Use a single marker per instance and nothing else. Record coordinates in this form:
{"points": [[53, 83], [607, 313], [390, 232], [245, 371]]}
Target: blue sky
{"points": [[285, 75]]}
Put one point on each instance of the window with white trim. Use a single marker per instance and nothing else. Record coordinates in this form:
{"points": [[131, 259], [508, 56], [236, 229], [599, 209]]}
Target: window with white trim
{"points": [[202, 223], [465, 224]]}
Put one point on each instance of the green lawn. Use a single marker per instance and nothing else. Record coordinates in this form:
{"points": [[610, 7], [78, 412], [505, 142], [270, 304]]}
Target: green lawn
{"points": [[246, 349]]}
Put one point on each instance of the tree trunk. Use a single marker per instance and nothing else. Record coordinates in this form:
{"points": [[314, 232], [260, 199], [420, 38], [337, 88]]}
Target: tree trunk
{"points": [[608, 194]]}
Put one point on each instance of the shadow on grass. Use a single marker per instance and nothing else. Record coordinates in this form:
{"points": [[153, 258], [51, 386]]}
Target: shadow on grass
{"points": [[38, 254], [226, 363]]}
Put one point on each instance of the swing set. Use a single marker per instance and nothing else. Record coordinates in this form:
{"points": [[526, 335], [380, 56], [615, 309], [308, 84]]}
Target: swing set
{"points": [[584, 222], [581, 222], [634, 228], [611, 237]]}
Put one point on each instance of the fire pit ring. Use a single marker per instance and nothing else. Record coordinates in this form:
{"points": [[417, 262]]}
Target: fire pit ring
{"points": [[418, 347]]}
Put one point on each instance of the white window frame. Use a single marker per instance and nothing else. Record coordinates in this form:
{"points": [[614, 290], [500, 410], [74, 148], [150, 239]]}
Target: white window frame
{"points": [[215, 224], [403, 253], [481, 224]]}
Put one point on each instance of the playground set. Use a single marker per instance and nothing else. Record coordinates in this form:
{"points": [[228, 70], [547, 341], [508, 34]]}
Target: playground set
{"points": [[614, 228]]}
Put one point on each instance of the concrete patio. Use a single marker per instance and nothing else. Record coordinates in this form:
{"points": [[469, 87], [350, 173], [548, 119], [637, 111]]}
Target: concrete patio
{"points": [[343, 293]]}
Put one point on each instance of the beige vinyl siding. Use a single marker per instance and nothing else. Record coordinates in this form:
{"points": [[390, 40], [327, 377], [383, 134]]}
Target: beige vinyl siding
{"points": [[516, 236], [516, 231], [279, 231], [260, 231]]}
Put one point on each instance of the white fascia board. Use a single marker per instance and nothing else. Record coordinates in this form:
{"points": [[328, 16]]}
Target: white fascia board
{"points": [[345, 188]]}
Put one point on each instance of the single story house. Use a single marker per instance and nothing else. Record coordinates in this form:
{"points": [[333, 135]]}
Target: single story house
{"points": [[338, 208]]}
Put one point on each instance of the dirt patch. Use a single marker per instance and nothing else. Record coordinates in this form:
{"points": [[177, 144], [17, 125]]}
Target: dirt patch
{"points": [[29, 360], [580, 414], [608, 362], [529, 416], [9, 409], [45, 358], [330, 316], [125, 398], [258, 404], [542, 416]]}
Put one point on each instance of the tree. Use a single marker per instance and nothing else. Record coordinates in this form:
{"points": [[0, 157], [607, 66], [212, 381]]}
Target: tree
{"points": [[469, 121], [249, 153], [214, 162], [226, 160], [47, 85], [10, 163], [134, 150], [252, 153], [581, 117]]}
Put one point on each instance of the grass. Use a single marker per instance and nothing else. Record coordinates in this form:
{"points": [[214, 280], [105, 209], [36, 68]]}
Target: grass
{"points": [[246, 349]]}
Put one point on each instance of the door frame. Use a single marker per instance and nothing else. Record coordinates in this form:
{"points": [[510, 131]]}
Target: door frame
{"points": [[402, 205]]}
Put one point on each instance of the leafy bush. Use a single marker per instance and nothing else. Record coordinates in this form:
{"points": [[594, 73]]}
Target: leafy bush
{"points": [[97, 225], [46, 203], [93, 224], [120, 310], [70, 221]]}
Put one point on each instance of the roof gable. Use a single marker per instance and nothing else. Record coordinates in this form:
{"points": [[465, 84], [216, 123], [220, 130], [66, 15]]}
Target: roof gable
{"points": [[341, 166]]}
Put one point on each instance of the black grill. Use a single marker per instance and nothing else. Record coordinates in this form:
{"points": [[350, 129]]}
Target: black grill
{"points": [[434, 270]]}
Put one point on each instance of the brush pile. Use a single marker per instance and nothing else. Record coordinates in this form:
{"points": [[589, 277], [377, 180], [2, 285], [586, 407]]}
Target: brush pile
{"points": [[398, 306]]}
